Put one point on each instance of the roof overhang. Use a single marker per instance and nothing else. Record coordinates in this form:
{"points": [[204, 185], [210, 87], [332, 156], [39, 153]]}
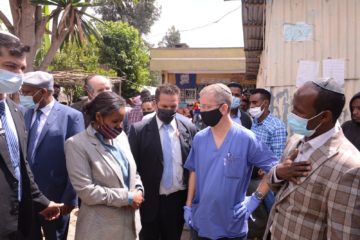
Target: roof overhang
{"points": [[198, 60], [253, 16]]}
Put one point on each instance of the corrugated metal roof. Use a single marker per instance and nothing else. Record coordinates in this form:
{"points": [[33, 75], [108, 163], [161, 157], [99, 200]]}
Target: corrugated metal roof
{"points": [[253, 15]]}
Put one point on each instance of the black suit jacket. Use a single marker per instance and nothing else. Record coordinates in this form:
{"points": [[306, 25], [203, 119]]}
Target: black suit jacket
{"points": [[144, 139], [245, 119], [17, 216]]}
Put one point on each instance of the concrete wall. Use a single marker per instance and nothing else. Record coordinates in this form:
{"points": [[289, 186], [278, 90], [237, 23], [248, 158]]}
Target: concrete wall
{"points": [[336, 34]]}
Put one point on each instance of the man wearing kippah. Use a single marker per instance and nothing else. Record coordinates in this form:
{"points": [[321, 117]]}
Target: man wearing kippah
{"points": [[49, 124], [323, 201]]}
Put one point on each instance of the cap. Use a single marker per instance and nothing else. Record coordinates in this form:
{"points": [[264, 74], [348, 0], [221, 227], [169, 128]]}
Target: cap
{"points": [[329, 84], [39, 79]]}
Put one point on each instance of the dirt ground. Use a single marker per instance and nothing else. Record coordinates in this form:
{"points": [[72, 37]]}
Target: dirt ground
{"points": [[73, 217]]}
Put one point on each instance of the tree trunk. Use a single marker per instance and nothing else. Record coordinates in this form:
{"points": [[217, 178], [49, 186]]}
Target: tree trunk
{"points": [[55, 45], [26, 30]]}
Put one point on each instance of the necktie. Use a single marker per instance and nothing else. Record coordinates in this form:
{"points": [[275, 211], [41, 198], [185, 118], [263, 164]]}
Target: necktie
{"points": [[13, 146], [167, 177], [33, 135]]}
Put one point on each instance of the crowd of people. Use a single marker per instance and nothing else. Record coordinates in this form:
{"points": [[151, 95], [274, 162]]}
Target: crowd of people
{"points": [[143, 167]]}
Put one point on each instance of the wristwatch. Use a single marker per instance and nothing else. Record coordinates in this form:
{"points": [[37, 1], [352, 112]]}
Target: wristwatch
{"points": [[259, 195]]}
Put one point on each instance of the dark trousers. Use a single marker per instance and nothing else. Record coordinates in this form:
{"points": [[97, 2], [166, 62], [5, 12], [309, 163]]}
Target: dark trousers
{"points": [[53, 230], [195, 236], [169, 221]]}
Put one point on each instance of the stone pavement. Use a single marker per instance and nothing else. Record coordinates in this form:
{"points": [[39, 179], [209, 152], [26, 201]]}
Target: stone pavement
{"points": [[73, 217]]}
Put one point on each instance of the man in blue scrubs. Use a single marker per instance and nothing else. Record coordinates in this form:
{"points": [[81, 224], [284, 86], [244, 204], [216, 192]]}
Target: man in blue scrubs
{"points": [[220, 163]]}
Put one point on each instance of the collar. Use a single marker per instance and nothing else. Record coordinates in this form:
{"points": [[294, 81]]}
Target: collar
{"points": [[237, 115], [267, 119], [160, 123], [47, 109], [99, 136], [320, 140]]}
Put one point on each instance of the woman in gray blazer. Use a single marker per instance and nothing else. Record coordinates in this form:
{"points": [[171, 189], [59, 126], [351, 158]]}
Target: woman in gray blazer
{"points": [[103, 173]]}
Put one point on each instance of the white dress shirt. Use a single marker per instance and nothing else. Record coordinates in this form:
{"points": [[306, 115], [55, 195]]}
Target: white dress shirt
{"points": [[178, 183], [11, 125], [237, 118], [9, 120], [307, 148]]}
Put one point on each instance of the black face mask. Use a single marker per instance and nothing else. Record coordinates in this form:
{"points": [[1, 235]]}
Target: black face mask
{"points": [[146, 113], [211, 118], [166, 115]]}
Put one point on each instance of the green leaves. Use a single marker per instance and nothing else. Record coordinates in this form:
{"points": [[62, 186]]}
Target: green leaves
{"points": [[124, 51]]}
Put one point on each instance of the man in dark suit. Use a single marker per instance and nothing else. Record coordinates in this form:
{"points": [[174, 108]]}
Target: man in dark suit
{"points": [[49, 124], [160, 146], [237, 114], [20, 197]]}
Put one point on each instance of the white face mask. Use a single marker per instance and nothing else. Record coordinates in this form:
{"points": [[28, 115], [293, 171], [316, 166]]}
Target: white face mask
{"points": [[256, 112], [10, 82]]}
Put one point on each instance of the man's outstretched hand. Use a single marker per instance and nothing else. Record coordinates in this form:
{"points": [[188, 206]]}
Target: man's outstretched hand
{"points": [[52, 211], [290, 170]]}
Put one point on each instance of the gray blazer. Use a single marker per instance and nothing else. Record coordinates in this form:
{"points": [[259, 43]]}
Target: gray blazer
{"points": [[98, 180]]}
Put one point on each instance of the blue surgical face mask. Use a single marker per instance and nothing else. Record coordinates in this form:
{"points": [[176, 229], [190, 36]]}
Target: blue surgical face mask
{"points": [[299, 124], [27, 102], [10, 82], [235, 102]]}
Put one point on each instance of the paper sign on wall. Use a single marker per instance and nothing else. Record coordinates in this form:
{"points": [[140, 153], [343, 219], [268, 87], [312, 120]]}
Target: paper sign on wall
{"points": [[334, 68], [307, 71], [297, 32]]}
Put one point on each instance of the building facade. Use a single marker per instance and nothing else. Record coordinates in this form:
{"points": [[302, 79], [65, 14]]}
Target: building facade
{"points": [[193, 68]]}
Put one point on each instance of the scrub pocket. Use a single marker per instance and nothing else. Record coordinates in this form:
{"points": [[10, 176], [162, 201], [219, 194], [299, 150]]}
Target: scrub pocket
{"points": [[232, 166], [237, 225]]}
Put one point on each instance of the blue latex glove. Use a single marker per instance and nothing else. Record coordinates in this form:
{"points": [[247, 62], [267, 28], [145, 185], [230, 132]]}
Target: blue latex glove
{"points": [[187, 216], [249, 205], [239, 210]]}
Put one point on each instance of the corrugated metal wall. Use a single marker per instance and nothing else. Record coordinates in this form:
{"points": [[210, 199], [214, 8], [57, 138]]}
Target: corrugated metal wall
{"points": [[336, 35]]}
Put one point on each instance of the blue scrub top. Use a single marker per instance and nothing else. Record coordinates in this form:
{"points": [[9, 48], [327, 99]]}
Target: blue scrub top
{"points": [[222, 178]]}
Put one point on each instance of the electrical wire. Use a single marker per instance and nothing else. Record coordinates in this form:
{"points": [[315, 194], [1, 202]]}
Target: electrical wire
{"points": [[202, 26], [211, 23]]}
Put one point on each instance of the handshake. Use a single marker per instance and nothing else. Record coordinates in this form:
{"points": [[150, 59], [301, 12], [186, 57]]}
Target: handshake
{"points": [[241, 210]]}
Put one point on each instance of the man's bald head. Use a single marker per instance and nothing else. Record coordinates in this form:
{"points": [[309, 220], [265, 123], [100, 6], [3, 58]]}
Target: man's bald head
{"points": [[96, 84]]}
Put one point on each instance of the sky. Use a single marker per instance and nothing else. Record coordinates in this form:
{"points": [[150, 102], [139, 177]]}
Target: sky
{"points": [[198, 15], [201, 15]]}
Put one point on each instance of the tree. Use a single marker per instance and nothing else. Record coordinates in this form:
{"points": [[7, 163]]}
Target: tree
{"points": [[31, 24], [171, 38], [141, 14], [123, 50], [84, 59]]}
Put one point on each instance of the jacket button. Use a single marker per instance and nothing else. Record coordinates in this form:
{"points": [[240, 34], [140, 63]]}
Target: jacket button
{"points": [[15, 184], [15, 208]]}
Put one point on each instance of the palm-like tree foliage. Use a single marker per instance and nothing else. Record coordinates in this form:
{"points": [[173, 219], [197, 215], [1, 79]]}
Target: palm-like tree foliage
{"points": [[68, 22]]}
